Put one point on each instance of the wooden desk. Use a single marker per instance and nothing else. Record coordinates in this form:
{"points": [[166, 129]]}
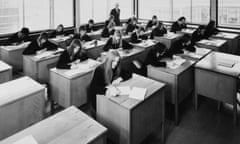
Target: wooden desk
{"points": [[168, 39], [5, 72], [186, 31], [233, 41], [180, 82], [12, 55], [93, 50], [61, 41], [70, 126], [95, 34], [218, 82], [69, 87], [22, 104], [129, 120], [37, 66], [213, 44]]}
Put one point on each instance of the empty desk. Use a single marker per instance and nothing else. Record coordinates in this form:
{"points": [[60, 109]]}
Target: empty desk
{"points": [[37, 66], [233, 41], [179, 77], [217, 77], [70, 126], [129, 120], [13, 54], [69, 87], [94, 48], [5, 72], [213, 44], [168, 39], [22, 104]]}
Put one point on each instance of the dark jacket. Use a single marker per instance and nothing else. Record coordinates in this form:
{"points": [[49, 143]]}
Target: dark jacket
{"points": [[158, 32], [209, 32], [106, 33], [153, 58], [176, 27], [196, 36], [150, 24], [98, 85], [131, 28], [64, 60], [137, 38], [34, 47], [15, 39], [90, 29], [116, 16], [56, 33], [110, 45]]}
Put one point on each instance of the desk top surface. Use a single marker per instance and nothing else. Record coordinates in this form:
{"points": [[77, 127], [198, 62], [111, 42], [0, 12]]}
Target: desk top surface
{"points": [[18, 89], [145, 43], [152, 86], [220, 62], [70, 126], [4, 66], [197, 55], [226, 35], [15, 47], [81, 69], [94, 43], [212, 42]]}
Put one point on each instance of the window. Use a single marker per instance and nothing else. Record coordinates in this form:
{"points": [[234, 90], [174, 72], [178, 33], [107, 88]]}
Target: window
{"points": [[195, 11], [86, 10], [229, 13], [161, 8], [99, 10], [34, 14], [63, 13]]}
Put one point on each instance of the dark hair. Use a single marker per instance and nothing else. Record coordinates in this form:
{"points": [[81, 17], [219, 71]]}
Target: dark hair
{"points": [[129, 21], [154, 17], [160, 47], [61, 25], [82, 28], [181, 18], [43, 35], [91, 21], [25, 31]]}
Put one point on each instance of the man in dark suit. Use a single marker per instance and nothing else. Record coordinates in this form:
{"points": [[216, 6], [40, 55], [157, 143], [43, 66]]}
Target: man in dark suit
{"points": [[116, 14]]}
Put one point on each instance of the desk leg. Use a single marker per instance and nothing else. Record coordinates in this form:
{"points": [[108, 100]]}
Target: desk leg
{"points": [[176, 111], [163, 120], [235, 110], [196, 100]]}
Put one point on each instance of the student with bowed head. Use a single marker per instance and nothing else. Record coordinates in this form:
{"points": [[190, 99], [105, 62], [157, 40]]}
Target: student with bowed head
{"points": [[179, 25], [108, 29], [116, 42], [138, 35], [109, 73], [210, 29], [198, 34], [152, 22], [90, 26], [72, 55], [19, 37], [159, 30], [40, 44], [82, 34], [59, 31], [132, 25]]}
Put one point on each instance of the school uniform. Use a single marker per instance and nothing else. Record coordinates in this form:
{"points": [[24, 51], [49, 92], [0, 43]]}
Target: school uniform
{"points": [[15, 39], [150, 24], [209, 32], [85, 37], [116, 14], [131, 28], [136, 38], [153, 58], [196, 36], [64, 59], [34, 47], [110, 45], [90, 28], [57, 33], [158, 32], [106, 33], [176, 27]]}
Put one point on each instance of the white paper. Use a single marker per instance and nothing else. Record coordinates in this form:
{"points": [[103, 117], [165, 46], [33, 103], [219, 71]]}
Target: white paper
{"points": [[174, 64], [138, 93], [27, 140], [124, 90]]}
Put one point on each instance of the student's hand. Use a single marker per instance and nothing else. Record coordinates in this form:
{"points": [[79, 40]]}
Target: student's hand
{"points": [[41, 51], [112, 91], [74, 66], [117, 81]]}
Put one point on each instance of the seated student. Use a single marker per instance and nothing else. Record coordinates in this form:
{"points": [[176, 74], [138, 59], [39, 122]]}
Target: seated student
{"points": [[116, 42], [90, 26], [132, 25], [59, 31], [110, 73], [159, 30], [19, 37], [210, 29], [179, 25], [152, 22], [40, 44], [180, 45], [198, 34], [82, 35], [108, 28], [138, 35], [73, 53], [155, 55]]}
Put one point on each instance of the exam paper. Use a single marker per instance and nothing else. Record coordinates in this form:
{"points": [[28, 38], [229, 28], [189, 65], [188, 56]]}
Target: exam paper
{"points": [[27, 140], [138, 93]]}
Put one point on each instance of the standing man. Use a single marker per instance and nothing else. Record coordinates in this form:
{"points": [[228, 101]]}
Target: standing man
{"points": [[115, 12]]}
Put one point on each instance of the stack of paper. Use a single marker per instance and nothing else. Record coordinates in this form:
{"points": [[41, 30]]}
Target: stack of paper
{"points": [[138, 93], [174, 64], [44, 54], [27, 140]]}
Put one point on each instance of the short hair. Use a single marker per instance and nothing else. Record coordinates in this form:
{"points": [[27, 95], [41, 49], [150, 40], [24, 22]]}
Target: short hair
{"points": [[25, 30], [43, 35], [154, 17], [200, 27], [181, 18], [91, 21]]}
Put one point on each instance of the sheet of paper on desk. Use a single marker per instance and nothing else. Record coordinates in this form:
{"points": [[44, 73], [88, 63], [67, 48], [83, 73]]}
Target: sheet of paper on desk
{"points": [[44, 54], [138, 93], [174, 64], [92, 63], [27, 140], [124, 90], [202, 51]]}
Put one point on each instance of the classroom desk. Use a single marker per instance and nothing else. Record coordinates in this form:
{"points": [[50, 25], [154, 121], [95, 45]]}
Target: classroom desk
{"points": [[70, 126], [130, 120], [168, 39], [37, 66], [94, 49], [217, 77], [5, 72], [179, 80], [213, 44], [95, 34], [69, 87], [61, 41], [186, 31], [233, 41], [12, 55], [22, 104]]}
